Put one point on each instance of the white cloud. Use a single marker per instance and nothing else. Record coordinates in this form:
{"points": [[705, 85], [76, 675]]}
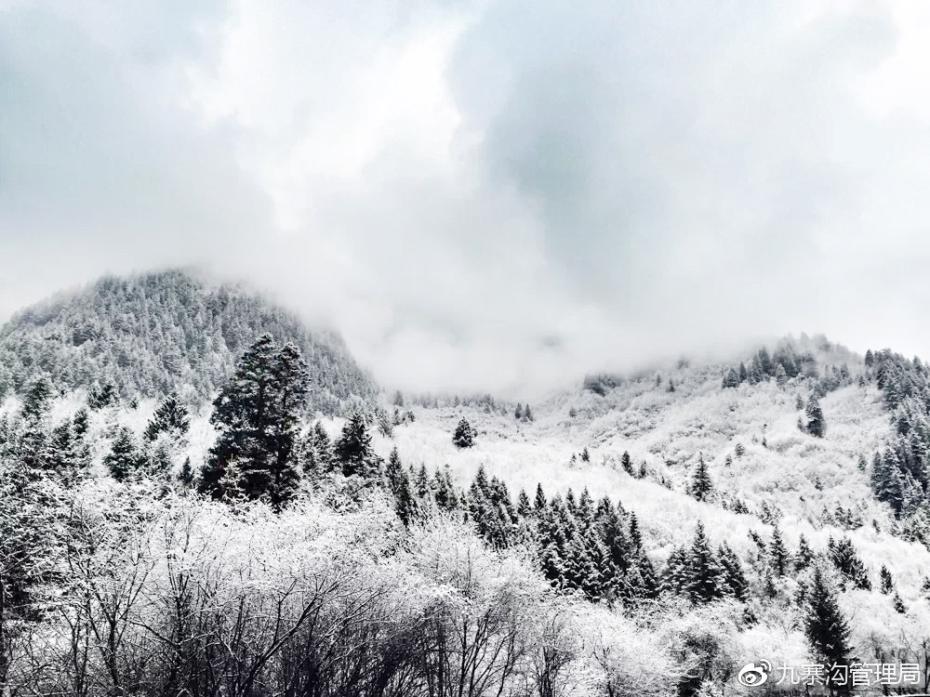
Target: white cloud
{"points": [[483, 194]]}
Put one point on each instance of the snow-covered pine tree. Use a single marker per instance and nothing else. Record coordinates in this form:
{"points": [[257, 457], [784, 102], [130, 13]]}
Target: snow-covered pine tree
{"points": [[124, 458], [824, 625], [464, 435], [701, 484], [704, 573], [778, 552], [816, 426], [170, 417], [257, 413], [353, 450]]}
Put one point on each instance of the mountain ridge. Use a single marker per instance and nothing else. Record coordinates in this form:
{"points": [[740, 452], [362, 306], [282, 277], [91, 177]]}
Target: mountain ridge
{"points": [[152, 333]]}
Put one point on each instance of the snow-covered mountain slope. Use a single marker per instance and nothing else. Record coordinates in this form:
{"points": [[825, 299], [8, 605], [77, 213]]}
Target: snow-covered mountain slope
{"points": [[158, 332], [748, 436]]}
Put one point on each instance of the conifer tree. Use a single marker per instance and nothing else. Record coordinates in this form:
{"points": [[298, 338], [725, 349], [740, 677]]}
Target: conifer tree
{"points": [[539, 501], [353, 450], [701, 485], [825, 627], [816, 425], [627, 463], [256, 414], [124, 458], [170, 417], [898, 604], [731, 379], [404, 501], [734, 580], [635, 537], [887, 582], [703, 570], [676, 575], [778, 553], [186, 475], [524, 507], [464, 436], [847, 562], [805, 556], [394, 470]]}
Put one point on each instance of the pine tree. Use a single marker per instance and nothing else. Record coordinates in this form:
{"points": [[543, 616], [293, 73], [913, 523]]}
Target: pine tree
{"points": [[781, 377], [257, 413], [394, 470], [805, 556], [585, 455], [734, 580], [704, 582], [539, 501], [778, 553], [102, 396], [170, 417], [887, 582], [898, 604], [731, 379], [627, 463], [676, 575], [518, 412], [464, 436], [524, 507], [404, 501], [847, 562], [186, 475], [353, 449], [636, 538], [322, 457], [124, 458], [701, 485], [816, 426], [825, 627]]}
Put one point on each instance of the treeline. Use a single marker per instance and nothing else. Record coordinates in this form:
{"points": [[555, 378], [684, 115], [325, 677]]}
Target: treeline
{"points": [[152, 334], [786, 363], [309, 566], [900, 471]]}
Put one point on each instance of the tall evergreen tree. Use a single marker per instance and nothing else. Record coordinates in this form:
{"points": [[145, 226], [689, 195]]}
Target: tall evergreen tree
{"points": [[464, 435], [124, 458], [353, 449], [170, 417], [627, 463], [825, 627], [816, 425], [256, 414], [539, 501], [778, 553], [704, 582], [701, 485], [887, 582], [733, 578]]}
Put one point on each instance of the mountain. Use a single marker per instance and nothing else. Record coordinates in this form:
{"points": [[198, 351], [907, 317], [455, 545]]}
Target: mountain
{"points": [[157, 332]]}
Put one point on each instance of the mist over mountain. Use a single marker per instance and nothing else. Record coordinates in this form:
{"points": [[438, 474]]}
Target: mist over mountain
{"points": [[664, 527], [154, 333]]}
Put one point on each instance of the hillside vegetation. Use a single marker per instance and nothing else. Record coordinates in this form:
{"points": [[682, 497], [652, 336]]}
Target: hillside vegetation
{"points": [[643, 534], [156, 333]]}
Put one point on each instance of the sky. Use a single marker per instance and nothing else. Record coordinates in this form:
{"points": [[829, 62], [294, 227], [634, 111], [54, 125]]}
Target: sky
{"points": [[484, 195]]}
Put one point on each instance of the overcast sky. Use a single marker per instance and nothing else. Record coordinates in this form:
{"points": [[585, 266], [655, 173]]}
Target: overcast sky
{"points": [[484, 194]]}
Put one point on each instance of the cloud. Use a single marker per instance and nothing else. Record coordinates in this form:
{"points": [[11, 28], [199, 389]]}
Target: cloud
{"points": [[487, 195]]}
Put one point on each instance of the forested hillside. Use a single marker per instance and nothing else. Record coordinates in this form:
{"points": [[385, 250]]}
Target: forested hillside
{"points": [[639, 534], [152, 334]]}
